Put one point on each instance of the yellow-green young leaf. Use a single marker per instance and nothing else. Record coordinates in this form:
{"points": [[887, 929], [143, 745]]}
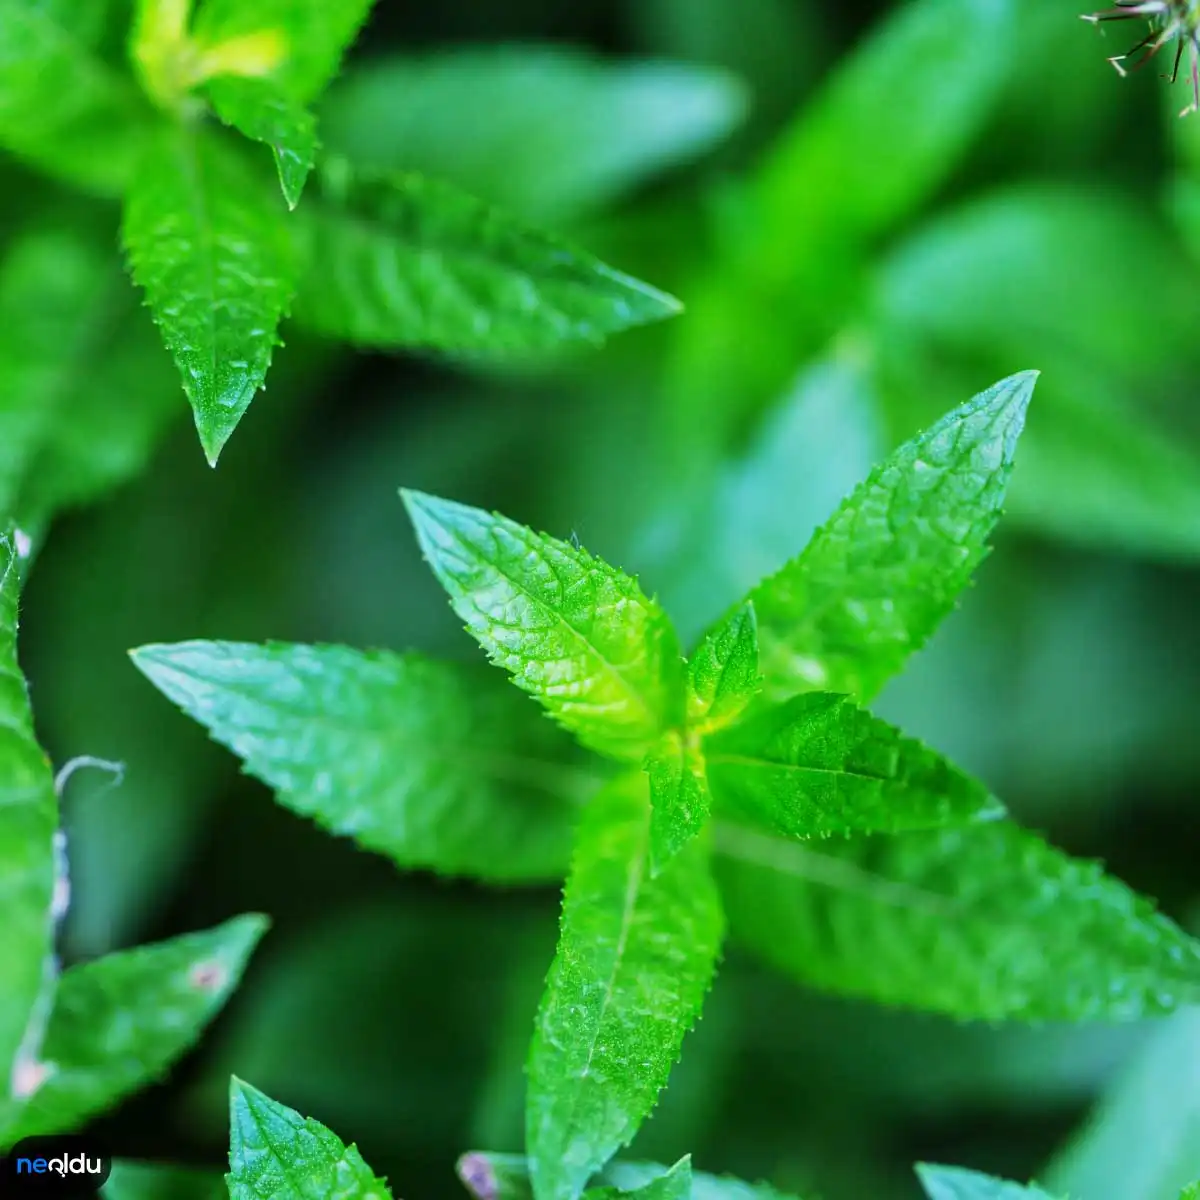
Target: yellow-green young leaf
{"points": [[674, 1184], [635, 957], [276, 1154], [884, 131], [679, 799], [881, 574], [131, 1180], [68, 314], [214, 255], [980, 922], [121, 1021], [566, 131], [312, 35], [400, 260], [957, 1183], [819, 765], [577, 634], [1142, 1140], [415, 759], [28, 827], [61, 106], [723, 672], [506, 1177], [263, 112]]}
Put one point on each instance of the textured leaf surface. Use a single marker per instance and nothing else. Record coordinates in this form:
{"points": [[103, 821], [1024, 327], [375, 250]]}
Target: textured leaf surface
{"points": [[820, 765], [418, 760], [981, 922], [28, 824], [576, 634], [506, 1177], [877, 579], [214, 255], [635, 958], [132, 1180], [265, 113], [61, 106], [679, 799], [883, 132], [723, 672], [1142, 1140], [957, 1183], [276, 1154], [402, 260], [549, 132], [120, 1021], [314, 33], [68, 317]]}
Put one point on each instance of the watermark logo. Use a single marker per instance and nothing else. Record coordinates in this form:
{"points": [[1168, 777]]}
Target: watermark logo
{"points": [[63, 1167]]}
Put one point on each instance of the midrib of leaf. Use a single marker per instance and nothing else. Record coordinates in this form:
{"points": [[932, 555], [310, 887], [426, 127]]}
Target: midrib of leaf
{"points": [[81, 53], [789, 858]]}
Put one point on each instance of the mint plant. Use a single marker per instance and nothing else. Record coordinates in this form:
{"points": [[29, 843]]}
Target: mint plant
{"points": [[382, 259], [746, 791]]}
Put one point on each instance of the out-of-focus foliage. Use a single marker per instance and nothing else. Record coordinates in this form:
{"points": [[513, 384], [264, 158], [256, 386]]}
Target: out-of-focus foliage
{"points": [[869, 212]]}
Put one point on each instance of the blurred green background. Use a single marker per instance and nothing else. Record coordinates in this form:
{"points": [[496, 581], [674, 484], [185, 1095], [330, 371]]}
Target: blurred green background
{"points": [[872, 211]]}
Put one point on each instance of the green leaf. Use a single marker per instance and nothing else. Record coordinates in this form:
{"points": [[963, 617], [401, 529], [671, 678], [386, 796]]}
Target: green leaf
{"points": [[61, 106], [576, 634], [980, 922], [276, 1154], [28, 872], [490, 1176], [132, 1180], [215, 259], [819, 765], [565, 131], [121, 1021], [878, 578], [679, 799], [1142, 1141], [314, 34], [723, 672], [264, 113], [404, 261], [884, 131], [67, 314], [636, 956], [675, 1184], [412, 758], [957, 1183]]}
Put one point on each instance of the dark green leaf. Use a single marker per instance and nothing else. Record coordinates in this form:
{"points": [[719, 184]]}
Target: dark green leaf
{"points": [[1142, 1141], [314, 34], [723, 672], [576, 634], [61, 106], [957, 1183], [215, 258], [402, 260], [264, 113], [120, 1021], [28, 874], [148, 1181], [564, 132], [276, 1154], [635, 958], [819, 765], [410, 757], [981, 922], [879, 577], [679, 799]]}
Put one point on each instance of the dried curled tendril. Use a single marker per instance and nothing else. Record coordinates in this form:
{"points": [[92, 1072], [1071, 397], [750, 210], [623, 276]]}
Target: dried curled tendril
{"points": [[1170, 21]]}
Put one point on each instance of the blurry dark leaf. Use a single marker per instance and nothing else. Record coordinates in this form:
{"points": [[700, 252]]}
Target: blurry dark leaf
{"points": [[546, 131]]}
